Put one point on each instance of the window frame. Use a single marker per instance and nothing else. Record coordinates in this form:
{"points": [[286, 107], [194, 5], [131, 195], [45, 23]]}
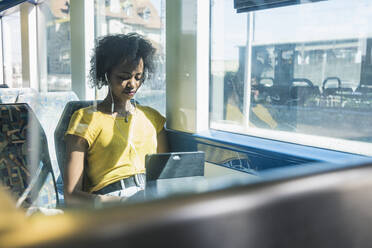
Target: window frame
{"points": [[196, 121], [306, 140]]}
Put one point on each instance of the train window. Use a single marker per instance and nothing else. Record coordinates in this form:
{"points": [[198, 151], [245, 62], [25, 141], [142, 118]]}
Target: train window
{"points": [[12, 56], [55, 68], [299, 73], [146, 18]]}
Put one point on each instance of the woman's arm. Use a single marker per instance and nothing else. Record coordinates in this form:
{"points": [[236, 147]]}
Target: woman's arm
{"points": [[162, 142], [76, 148]]}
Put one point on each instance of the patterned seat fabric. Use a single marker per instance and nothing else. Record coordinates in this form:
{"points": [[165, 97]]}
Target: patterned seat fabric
{"points": [[25, 167]]}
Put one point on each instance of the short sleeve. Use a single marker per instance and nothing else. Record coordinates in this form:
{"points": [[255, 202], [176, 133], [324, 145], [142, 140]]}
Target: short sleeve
{"points": [[156, 118], [82, 124], [160, 122]]}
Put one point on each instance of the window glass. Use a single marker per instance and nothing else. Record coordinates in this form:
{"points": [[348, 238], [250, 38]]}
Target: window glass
{"points": [[303, 69], [146, 18], [55, 19], [12, 50]]}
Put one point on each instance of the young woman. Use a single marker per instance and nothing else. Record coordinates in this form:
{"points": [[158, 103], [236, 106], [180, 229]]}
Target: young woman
{"points": [[107, 144]]}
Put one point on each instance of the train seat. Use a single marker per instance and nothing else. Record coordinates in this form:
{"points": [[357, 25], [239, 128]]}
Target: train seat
{"points": [[25, 167]]}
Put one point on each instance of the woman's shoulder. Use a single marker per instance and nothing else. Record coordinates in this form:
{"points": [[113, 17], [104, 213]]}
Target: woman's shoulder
{"points": [[148, 110], [90, 110], [154, 116], [88, 114]]}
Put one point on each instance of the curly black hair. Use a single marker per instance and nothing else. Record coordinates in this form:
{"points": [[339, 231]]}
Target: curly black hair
{"points": [[112, 50]]}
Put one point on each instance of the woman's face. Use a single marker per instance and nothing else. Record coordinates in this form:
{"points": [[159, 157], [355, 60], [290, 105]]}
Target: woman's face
{"points": [[124, 81]]}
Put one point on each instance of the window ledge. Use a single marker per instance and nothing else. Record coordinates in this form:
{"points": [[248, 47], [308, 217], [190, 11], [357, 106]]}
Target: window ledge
{"points": [[279, 148]]}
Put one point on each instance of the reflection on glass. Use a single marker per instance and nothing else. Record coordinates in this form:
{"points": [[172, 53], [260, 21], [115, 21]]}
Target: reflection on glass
{"points": [[308, 72], [148, 19], [12, 50], [56, 20]]}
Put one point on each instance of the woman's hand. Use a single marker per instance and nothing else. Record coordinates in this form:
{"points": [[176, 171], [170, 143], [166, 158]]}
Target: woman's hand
{"points": [[162, 142]]}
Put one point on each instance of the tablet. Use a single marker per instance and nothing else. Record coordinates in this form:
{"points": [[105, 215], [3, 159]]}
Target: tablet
{"points": [[174, 165]]}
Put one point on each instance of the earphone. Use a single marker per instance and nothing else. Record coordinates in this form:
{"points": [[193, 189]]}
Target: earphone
{"points": [[106, 77], [112, 102], [126, 120]]}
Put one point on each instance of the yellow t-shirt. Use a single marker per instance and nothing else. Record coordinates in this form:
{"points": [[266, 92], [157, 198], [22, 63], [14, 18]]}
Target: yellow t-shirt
{"points": [[116, 149]]}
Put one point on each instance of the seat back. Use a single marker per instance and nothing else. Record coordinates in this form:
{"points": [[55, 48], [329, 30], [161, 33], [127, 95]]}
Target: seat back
{"points": [[61, 129], [25, 167]]}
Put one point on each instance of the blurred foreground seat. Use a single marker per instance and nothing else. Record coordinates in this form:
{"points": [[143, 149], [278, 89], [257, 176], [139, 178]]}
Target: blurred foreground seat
{"points": [[323, 209]]}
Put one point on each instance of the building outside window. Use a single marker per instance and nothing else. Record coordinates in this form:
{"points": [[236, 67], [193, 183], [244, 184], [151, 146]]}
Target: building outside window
{"points": [[300, 73], [128, 7]]}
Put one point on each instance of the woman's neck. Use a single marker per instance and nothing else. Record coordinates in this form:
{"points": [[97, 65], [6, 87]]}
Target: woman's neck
{"points": [[122, 106], [119, 106]]}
